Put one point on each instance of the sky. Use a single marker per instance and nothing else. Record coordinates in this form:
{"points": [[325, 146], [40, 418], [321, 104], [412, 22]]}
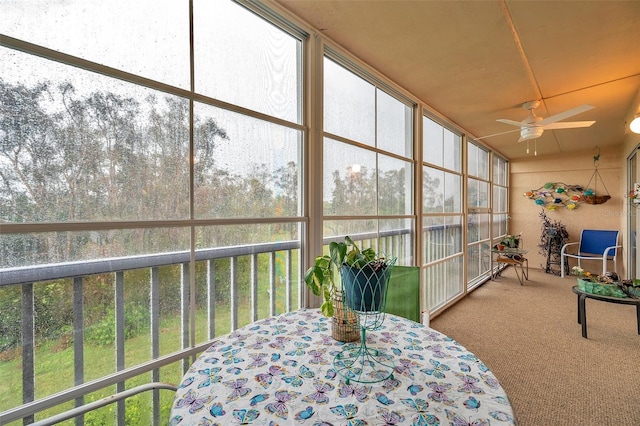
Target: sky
{"points": [[105, 31]]}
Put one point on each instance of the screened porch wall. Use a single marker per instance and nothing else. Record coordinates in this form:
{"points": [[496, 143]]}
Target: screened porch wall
{"points": [[156, 197]]}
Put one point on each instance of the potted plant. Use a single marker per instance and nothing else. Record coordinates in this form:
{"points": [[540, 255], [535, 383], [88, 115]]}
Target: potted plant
{"points": [[510, 241], [365, 275], [604, 285], [347, 257], [320, 277], [320, 280]]}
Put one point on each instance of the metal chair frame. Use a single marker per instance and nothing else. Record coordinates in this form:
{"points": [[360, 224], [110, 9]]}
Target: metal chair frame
{"points": [[594, 244]]}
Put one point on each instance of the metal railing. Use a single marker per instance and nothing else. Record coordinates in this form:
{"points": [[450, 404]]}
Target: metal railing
{"points": [[70, 414], [29, 278]]}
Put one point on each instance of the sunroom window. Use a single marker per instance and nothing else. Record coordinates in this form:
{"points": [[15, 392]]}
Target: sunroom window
{"points": [[146, 205], [368, 162], [153, 191], [479, 214], [442, 204]]}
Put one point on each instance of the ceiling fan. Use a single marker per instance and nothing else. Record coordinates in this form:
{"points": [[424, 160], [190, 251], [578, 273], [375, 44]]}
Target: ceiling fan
{"points": [[533, 126]]}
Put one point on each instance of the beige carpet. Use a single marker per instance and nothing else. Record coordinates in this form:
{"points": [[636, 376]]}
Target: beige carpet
{"points": [[529, 337]]}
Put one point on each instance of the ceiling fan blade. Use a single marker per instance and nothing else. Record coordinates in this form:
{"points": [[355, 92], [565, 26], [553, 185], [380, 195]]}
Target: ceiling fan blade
{"points": [[566, 114], [497, 134], [568, 125], [512, 122]]}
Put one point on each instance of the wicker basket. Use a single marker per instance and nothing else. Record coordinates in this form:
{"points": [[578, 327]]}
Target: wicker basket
{"points": [[596, 199], [345, 326]]}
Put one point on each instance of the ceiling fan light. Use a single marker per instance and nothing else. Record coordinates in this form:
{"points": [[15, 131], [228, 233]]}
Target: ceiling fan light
{"points": [[635, 124], [534, 132]]}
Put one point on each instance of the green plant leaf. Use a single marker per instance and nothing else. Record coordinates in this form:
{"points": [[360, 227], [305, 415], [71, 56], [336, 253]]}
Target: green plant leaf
{"points": [[327, 309], [323, 262], [369, 254], [338, 252], [314, 278]]}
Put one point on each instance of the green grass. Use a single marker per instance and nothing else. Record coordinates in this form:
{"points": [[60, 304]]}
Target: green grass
{"points": [[54, 364], [54, 373], [54, 370]]}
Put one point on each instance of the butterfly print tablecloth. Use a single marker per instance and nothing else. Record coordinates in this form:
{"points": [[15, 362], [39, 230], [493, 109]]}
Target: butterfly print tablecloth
{"points": [[279, 371]]}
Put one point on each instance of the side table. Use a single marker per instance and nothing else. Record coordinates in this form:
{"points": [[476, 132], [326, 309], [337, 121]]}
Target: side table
{"points": [[514, 257], [582, 313]]}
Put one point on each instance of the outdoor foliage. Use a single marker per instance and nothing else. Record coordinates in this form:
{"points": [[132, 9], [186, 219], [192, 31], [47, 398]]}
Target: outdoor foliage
{"points": [[66, 156]]}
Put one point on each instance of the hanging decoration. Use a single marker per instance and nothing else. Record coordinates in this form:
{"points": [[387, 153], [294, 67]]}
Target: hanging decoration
{"points": [[634, 195], [591, 195], [556, 195]]}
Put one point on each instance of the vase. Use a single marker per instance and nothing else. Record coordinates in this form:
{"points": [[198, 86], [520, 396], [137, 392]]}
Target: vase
{"points": [[345, 325], [365, 288]]}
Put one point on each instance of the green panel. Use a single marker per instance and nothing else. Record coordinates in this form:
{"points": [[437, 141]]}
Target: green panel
{"points": [[403, 294]]}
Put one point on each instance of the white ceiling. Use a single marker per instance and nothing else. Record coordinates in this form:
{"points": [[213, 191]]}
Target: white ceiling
{"points": [[477, 61]]}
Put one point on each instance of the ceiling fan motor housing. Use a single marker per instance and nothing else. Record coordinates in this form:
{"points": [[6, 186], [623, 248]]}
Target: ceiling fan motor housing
{"points": [[533, 132]]}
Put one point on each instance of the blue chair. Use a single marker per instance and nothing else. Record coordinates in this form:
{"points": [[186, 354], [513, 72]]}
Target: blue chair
{"points": [[595, 244]]}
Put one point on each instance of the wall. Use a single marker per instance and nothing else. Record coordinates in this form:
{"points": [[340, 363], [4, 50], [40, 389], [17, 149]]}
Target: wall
{"points": [[630, 145], [572, 169]]}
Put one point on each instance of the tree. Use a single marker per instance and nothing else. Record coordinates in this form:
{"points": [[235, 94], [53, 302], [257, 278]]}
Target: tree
{"points": [[391, 188], [97, 157], [28, 151], [432, 194]]}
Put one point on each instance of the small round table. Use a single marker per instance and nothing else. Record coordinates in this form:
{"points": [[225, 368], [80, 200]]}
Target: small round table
{"points": [[582, 312], [279, 371]]}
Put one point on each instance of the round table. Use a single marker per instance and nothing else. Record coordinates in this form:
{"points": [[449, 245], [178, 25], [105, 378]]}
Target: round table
{"points": [[279, 371]]}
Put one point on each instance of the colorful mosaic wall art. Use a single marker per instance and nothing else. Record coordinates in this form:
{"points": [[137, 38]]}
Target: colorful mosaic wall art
{"points": [[558, 195]]}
